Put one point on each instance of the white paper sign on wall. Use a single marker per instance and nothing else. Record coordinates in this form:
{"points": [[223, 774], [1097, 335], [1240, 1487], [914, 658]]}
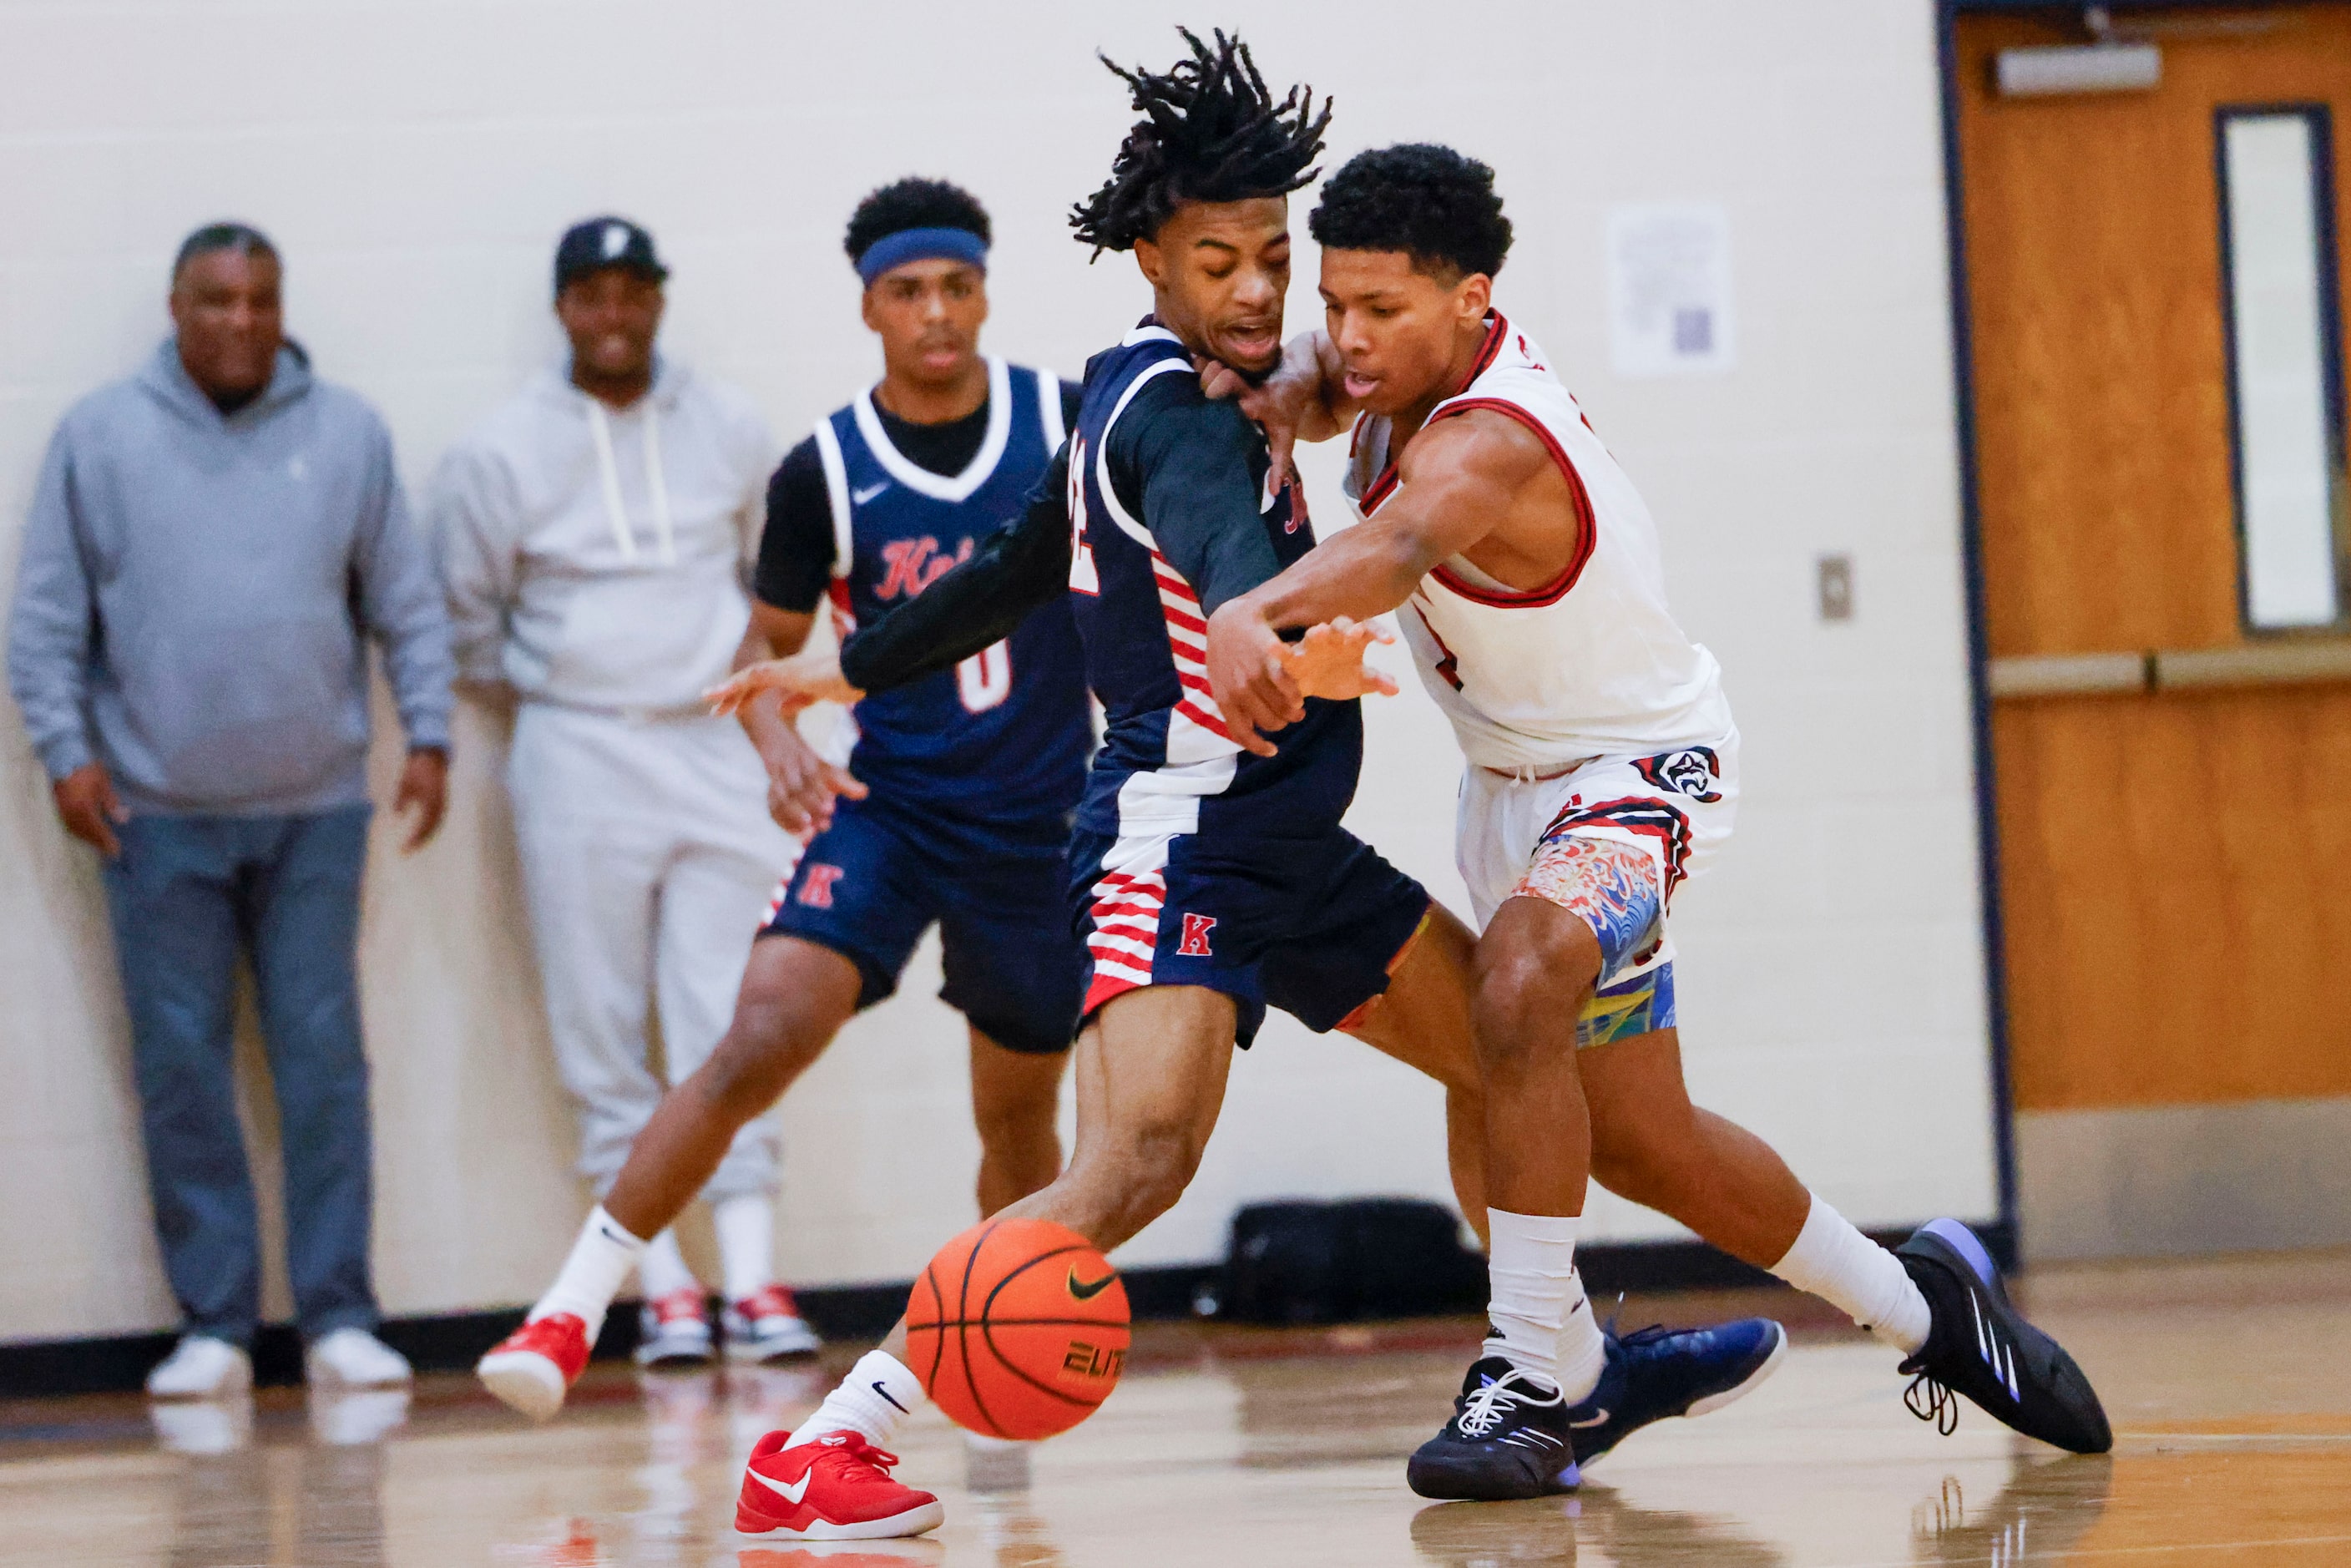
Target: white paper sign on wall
{"points": [[1669, 290]]}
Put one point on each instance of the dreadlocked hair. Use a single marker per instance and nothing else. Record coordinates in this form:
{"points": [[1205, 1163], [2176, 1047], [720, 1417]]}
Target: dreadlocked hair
{"points": [[1210, 133]]}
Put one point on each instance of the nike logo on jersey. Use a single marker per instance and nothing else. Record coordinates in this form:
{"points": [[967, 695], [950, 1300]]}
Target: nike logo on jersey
{"points": [[1087, 1290], [859, 497], [1595, 1421], [790, 1491]]}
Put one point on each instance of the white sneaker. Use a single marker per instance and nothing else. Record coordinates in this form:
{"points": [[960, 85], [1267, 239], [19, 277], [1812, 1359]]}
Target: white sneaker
{"points": [[674, 1329], [202, 1367], [765, 1326], [353, 1358]]}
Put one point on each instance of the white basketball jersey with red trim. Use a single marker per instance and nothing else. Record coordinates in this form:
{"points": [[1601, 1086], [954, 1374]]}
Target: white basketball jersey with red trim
{"points": [[1589, 665]]}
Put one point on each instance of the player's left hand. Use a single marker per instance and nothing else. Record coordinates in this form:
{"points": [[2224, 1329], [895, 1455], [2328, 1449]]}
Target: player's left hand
{"points": [[1280, 404], [1328, 661], [1249, 676], [423, 788], [810, 676]]}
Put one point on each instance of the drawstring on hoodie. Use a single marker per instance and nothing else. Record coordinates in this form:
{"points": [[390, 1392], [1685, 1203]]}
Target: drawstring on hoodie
{"points": [[601, 426]]}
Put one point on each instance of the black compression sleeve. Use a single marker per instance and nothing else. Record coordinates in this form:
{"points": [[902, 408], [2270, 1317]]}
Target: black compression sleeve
{"points": [[796, 546], [1016, 569], [1189, 459]]}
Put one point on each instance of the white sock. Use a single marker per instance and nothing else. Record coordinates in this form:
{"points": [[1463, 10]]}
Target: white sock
{"points": [[747, 1242], [591, 1276], [1543, 1322], [1859, 1278], [661, 1268], [879, 1393]]}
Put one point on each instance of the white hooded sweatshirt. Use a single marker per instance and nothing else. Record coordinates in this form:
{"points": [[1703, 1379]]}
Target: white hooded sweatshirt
{"points": [[597, 558]]}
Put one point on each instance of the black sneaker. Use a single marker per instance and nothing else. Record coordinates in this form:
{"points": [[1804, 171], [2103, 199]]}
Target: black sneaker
{"points": [[1653, 1374], [1981, 1346], [1509, 1439]]}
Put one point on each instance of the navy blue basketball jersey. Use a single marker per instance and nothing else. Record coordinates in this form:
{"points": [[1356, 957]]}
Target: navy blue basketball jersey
{"points": [[1002, 739], [1167, 761]]}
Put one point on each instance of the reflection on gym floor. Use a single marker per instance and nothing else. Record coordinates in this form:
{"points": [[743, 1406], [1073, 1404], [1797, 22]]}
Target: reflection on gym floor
{"points": [[1233, 1449]]}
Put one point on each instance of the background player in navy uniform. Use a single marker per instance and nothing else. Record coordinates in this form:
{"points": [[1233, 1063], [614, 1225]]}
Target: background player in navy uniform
{"points": [[955, 806], [1207, 883]]}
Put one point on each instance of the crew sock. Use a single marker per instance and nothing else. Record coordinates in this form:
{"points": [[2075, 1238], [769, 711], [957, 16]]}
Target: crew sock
{"points": [[745, 1225], [1846, 1269], [1542, 1321], [880, 1391], [662, 1269], [591, 1276]]}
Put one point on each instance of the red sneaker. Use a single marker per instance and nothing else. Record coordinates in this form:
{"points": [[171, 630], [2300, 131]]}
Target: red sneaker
{"points": [[834, 1488], [533, 1367]]}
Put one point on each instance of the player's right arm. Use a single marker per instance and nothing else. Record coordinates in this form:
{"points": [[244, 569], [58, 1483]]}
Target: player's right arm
{"points": [[1458, 479], [794, 569]]}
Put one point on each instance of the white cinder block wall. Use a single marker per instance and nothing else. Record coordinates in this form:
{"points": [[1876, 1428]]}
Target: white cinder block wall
{"points": [[415, 161]]}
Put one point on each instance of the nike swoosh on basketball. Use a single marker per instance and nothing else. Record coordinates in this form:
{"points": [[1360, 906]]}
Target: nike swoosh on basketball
{"points": [[1595, 1421], [790, 1491], [1086, 1290], [860, 497]]}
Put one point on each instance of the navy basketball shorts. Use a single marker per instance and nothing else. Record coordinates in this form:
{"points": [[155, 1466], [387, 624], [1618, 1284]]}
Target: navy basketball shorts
{"points": [[1313, 925], [871, 884]]}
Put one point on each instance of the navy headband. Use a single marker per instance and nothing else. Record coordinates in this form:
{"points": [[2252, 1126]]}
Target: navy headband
{"points": [[921, 244]]}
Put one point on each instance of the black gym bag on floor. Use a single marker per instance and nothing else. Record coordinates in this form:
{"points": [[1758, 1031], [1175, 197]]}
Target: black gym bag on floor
{"points": [[1305, 1263]]}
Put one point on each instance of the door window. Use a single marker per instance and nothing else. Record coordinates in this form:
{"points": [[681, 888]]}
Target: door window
{"points": [[2285, 377]]}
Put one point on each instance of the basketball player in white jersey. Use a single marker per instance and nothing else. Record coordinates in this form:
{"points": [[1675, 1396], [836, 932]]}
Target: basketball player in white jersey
{"points": [[1604, 769]]}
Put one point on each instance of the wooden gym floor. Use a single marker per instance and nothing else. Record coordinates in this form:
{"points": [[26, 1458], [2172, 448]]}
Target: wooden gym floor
{"points": [[2228, 1383]]}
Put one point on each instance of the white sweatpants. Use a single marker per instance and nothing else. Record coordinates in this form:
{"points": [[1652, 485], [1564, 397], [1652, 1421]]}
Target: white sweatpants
{"points": [[648, 859]]}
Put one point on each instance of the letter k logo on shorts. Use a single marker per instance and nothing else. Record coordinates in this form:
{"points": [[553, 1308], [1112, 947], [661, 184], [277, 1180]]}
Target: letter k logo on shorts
{"points": [[1195, 936]]}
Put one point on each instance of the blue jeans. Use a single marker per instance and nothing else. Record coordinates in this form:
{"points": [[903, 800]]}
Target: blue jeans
{"points": [[186, 897]]}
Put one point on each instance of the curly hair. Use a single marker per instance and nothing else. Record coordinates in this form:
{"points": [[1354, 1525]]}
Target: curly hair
{"points": [[1430, 201], [1210, 133], [913, 203]]}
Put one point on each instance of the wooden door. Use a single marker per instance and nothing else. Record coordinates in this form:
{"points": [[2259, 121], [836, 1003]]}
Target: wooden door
{"points": [[2175, 849]]}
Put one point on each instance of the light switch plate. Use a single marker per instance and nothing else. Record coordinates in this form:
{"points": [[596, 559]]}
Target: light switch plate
{"points": [[1835, 584]]}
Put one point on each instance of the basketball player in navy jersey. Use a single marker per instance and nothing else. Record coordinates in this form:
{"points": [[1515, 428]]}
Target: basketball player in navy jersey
{"points": [[955, 805], [1207, 883]]}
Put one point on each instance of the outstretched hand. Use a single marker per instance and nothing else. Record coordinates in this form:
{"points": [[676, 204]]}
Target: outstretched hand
{"points": [[811, 676], [1328, 661], [1260, 683]]}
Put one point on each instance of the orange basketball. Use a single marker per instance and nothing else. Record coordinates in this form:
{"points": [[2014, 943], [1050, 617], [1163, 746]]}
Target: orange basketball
{"points": [[1018, 1329]]}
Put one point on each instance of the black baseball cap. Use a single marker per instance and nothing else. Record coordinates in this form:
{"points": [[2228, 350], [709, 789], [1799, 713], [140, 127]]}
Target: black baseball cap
{"points": [[598, 242]]}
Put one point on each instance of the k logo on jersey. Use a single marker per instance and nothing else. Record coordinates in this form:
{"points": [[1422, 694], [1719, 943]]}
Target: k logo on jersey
{"points": [[1691, 773]]}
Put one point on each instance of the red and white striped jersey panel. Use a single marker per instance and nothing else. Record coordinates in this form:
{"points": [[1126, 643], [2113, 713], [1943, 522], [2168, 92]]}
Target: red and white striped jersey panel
{"points": [[1128, 910], [1197, 732]]}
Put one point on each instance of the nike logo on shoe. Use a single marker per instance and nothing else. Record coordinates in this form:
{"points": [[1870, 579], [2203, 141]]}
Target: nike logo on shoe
{"points": [[790, 1491], [859, 497], [1086, 1290]]}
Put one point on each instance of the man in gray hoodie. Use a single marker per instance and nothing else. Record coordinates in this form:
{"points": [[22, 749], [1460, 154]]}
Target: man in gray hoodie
{"points": [[593, 534], [213, 544]]}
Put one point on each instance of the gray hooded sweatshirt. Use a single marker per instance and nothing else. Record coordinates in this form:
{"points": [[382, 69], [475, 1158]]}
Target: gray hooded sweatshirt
{"points": [[198, 591]]}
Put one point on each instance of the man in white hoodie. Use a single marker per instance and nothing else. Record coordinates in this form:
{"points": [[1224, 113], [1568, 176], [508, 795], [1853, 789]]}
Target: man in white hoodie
{"points": [[595, 534]]}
